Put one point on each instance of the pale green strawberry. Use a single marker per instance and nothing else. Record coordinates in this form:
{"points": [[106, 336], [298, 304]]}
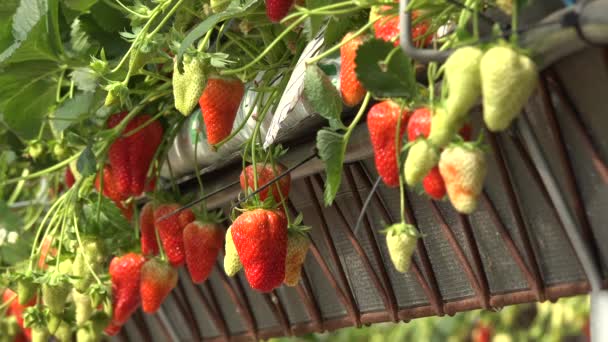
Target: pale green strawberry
{"points": [[26, 289], [91, 251], [508, 79], [463, 82], [463, 169], [401, 241], [232, 263], [53, 322], [444, 127], [83, 306], [84, 334], [421, 158], [40, 334], [54, 295], [188, 86], [63, 333]]}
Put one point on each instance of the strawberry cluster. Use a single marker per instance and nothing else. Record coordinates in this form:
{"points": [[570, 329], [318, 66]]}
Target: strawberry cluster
{"points": [[130, 156]]}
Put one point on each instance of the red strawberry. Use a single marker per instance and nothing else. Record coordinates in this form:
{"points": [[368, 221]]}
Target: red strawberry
{"points": [[45, 248], [202, 242], [158, 278], [130, 156], [277, 9], [219, 104], [387, 29], [260, 238], [433, 184], [149, 243], [382, 123], [171, 230], [69, 178], [481, 333], [112, 329], [16, 309], [265, 174], [352, 90], [109, 189], [125, 272], [118, 154], [142, 147], [419, 124]]}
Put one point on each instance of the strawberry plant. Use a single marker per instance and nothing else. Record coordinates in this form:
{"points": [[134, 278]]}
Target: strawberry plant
{"points": [[95, 97]]}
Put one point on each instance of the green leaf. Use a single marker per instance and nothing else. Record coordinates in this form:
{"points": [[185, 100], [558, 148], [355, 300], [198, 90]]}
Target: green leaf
{"points": [[331, 148], [85, 79], [25, 113], [393, 79], [27, 92], [323, 97], [79, 5], [235, 8], [32, 39], [7, 10], [80, 41], [338, 26], [315, 22], [109, 18], [87, 164], [72, 111]]}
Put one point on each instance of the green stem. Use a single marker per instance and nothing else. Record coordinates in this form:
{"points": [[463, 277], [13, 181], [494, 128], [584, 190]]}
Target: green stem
{"points": [[58, 93], [267, 50], [306, 12], [45, 171], [353, 124], [18, 188], [398, 156], [86, 257], [157, 10], [260, 119], [515, 22], [234, 38], [241, 125], [166, 18], [339, 45], [198, 173], [123, 7], [205, 40]]}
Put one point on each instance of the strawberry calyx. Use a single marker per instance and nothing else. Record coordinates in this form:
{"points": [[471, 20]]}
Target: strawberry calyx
{"points": [[204, 216], [99, 293], [296, 226], [477, 144], [34, 316], [400, 228]]}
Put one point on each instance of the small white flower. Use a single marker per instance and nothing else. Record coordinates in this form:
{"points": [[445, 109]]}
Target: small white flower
{"points": [[12, 237], [2, 236]]}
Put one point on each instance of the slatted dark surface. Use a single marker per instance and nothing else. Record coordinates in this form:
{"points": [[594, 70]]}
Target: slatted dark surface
{"points": [[513, 249]]}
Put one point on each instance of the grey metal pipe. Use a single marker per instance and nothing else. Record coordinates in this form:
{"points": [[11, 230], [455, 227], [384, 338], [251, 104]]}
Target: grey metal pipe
{"points": [[548, 39]]}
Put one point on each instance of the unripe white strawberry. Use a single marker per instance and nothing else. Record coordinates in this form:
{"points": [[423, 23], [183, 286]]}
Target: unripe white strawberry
{"points": [[188, 86], [401, 241], [463, 82], [232, 263], [508, 78], [463, 168], [421, 158]]}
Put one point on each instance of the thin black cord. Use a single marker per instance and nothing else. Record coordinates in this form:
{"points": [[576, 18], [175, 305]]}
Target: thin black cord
{"points": [[366, 204], [274, 180]]}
